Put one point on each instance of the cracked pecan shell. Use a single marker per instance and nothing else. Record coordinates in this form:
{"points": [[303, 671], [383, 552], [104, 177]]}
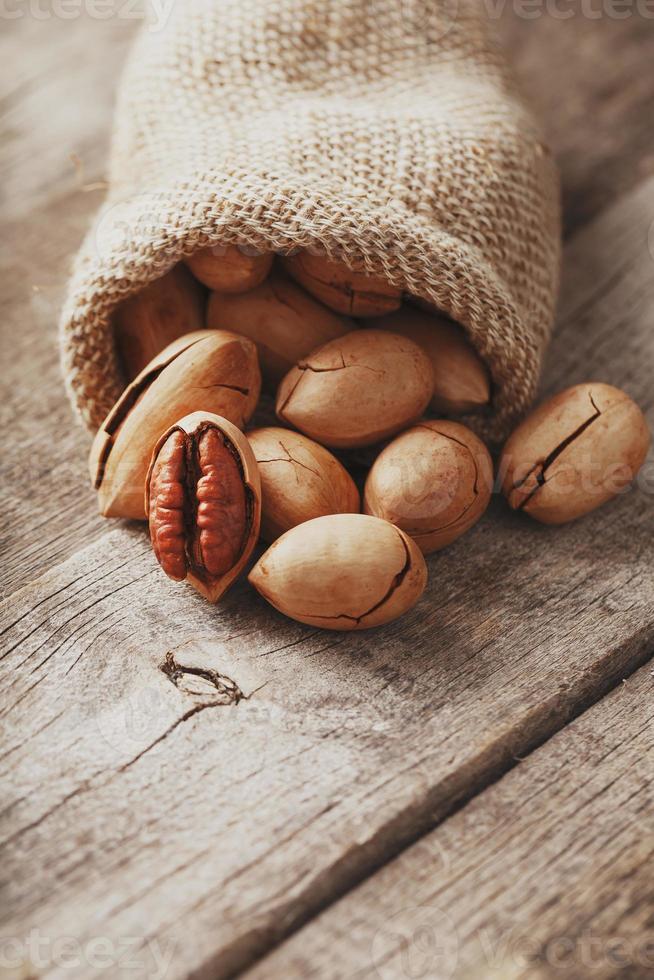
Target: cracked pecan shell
{"points": [[300, 480], [434, 481], [285, 323], [343, 289], [574, 452], [228, 269], [342, 572], [461, 379], [155, 316], [203, 501], [212, 370], [357, 389]]}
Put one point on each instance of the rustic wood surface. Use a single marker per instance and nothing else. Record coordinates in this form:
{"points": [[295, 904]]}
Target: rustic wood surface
{"points": [[185, 786], [56, 90], [558, 856]]}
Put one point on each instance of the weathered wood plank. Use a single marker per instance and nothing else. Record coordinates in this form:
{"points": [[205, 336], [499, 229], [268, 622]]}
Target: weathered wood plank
{"points": [[56, 99], [547, 873], [54, 112], [136, 808], [56, 93], [583, 66]]}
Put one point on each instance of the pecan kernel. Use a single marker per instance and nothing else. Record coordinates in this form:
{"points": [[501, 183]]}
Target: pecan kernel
{"points": [[202, 502], [167, 530], [221, 506]]}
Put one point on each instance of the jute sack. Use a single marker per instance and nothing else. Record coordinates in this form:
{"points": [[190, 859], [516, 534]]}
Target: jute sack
{"points": [[382, 132]]}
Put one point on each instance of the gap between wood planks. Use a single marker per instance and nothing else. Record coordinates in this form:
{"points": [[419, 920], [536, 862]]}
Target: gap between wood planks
{"points": [[576, 309], [545, 873], [490, 779]]}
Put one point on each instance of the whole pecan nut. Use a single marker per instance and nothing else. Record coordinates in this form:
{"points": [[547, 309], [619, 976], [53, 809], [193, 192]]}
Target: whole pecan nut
{"points": [[574, 452]]}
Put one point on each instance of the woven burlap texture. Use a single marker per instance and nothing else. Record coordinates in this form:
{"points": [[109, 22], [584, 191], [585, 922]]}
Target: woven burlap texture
{"points": [[382, 132]]}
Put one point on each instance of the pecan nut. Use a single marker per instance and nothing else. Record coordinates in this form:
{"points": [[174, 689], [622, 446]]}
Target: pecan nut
{"points": [[300, 480], [357, 390], [434, 481], [160, 313], [203, 502], [574, 452], [351, 291], [284, 322], [342, 572], [461, 379], [228, 269]]}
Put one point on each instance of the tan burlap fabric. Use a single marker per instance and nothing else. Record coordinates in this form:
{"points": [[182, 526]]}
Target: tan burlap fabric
{"points": [[386, 132]]}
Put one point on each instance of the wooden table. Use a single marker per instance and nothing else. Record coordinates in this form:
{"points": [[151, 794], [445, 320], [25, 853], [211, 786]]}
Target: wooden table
{"points": [[465, 793]]}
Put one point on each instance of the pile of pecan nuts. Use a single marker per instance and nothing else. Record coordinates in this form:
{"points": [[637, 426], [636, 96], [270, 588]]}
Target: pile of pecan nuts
{"points": [[351, 366]]}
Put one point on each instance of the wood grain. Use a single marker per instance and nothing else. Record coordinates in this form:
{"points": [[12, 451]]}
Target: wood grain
{"points": [[546, 873], [56, 93], [209, 824], [583, 66]]}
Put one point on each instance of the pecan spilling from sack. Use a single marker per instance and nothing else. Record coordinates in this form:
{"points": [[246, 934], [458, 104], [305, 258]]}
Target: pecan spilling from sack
{"points": [[203, 502]]}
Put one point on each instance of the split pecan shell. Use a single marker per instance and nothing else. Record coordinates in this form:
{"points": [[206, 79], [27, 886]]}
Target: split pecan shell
{"points": [[203, 501]]}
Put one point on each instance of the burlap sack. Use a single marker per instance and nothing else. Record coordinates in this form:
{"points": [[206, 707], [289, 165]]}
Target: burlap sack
{"points": [[387, 132]]}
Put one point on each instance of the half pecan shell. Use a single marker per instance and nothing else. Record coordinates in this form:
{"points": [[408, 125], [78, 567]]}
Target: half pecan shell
{"points": [[203, 501]]}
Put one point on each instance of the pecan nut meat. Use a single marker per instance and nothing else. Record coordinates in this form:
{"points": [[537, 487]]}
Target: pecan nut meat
{"points": [[203, 500]]}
